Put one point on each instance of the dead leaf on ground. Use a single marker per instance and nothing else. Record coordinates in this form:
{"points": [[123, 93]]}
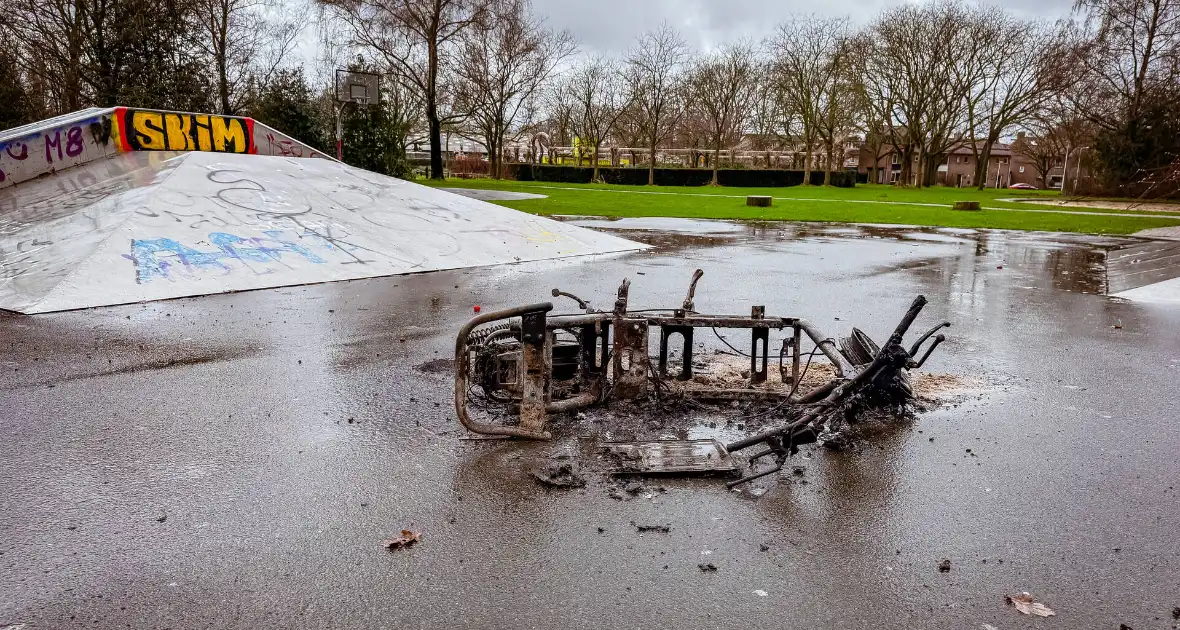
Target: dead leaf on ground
{"points": [[1025, 604], [405, 540]]}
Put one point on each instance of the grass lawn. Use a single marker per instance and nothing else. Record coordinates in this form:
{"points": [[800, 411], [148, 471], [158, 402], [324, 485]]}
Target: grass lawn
{"points": [[863, 204]]}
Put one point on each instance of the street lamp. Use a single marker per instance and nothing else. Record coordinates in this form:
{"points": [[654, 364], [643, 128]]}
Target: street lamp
{"points": [[1065, 169]]}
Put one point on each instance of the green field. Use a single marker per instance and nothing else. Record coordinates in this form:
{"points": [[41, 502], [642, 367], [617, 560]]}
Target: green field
{"points": [[862, 204]]}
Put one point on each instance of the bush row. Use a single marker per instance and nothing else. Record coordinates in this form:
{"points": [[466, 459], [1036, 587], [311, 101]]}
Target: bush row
{"points": [[674, 176]]}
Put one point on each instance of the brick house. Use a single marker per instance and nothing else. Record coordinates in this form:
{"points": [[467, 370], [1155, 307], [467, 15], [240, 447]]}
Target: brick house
{"points": [[959, 168], [1005, 168]]}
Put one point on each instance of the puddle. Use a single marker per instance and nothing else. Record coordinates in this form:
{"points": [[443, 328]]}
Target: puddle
{"points": [[684, 226]]}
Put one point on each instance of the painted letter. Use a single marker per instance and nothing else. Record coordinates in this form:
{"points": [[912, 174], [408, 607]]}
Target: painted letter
{"points": [[176, 129], [229, 135], [148, 131], [52, 142]]}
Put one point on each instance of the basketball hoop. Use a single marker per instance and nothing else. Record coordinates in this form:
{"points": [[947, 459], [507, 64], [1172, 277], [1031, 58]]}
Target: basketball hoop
{"points": [[359, 88]]}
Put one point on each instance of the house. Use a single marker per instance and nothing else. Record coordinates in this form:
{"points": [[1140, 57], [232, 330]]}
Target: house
{"points": [[1006, 166], [959, 168]]}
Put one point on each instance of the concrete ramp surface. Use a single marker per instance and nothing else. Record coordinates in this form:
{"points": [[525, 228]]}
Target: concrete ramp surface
{"points": [[1145, 272], [151, 225]]}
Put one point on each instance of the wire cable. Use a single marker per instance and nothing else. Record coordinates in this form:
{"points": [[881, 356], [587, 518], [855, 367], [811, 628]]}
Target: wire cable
{"points": [[727, 343]]}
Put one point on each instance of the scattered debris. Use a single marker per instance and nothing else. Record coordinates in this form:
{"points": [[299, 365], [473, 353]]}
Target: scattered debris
{"points": [[1025, 604], [436, 366], [1176, 613], [560, 475], [405, 540], [944, 566], [662, 529], [708, 567]]}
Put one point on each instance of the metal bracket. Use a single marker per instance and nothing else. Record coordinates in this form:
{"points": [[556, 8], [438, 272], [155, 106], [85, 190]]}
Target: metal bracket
{"points": [[686, 355], [631, 362], [759, 334], [535, 371]]}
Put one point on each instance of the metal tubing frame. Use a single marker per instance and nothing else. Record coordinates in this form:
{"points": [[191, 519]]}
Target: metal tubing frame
{"points": [[676, 322], [891, 353], [462, 363]]}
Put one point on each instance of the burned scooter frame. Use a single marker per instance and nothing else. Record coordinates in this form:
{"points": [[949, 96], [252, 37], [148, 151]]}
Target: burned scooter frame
{"points": [[608, 358]]}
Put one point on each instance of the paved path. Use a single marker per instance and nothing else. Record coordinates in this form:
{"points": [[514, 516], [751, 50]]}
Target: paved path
{"points": [[1166, 233], [489, 194], [235, 461], [1145, 206]]}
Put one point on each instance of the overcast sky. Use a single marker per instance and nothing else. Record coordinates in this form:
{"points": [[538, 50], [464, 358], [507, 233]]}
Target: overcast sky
{"points": [[610, 26]]}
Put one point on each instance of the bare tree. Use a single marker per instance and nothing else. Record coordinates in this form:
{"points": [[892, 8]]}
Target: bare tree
{"points": [[419, 39], [404, 108], [560, 107], [721, 87], [837, 103], [654, 77], [1010, 75], [599, 97], [875, 109], [768, 118], [912, 70], [1070, 128], [502, 70], [49, 45], [1125, 70], [1127, 49], [246, 41], [807, 67], [630, 128], [874, 104]]}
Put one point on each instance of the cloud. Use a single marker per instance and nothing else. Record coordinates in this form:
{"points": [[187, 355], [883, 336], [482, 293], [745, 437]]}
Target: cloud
{"points": [[609, 27]]}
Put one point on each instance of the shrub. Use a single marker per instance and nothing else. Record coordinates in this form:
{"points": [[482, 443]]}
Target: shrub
{"points": [[754, 178]]}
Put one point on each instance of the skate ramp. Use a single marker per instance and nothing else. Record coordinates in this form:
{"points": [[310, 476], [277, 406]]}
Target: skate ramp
{"points": [[1145, 272], [157, 224]]}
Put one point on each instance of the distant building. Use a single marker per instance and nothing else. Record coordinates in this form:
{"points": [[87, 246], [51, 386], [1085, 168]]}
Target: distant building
{"points": [[1005, 167]]}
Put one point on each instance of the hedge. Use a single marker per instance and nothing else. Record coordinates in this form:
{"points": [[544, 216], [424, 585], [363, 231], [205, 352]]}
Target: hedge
{"points": [[756, 178]]}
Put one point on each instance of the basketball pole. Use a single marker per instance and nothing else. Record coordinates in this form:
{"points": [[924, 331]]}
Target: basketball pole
{"points": [[339, 135]]}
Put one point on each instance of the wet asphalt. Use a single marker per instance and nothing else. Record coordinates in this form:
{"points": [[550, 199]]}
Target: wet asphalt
{"points": [[236, 461]]}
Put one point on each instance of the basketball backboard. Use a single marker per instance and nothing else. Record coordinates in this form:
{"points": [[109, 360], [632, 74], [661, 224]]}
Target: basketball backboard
{"points": [[362, 88]]}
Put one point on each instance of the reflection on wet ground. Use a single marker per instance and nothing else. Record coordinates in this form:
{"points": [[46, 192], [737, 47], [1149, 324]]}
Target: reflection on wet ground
{"points": [[1072, 262], [284, 434]]}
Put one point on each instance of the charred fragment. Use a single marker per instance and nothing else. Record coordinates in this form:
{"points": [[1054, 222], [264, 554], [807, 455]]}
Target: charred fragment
{"points": [[518, 366]]}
